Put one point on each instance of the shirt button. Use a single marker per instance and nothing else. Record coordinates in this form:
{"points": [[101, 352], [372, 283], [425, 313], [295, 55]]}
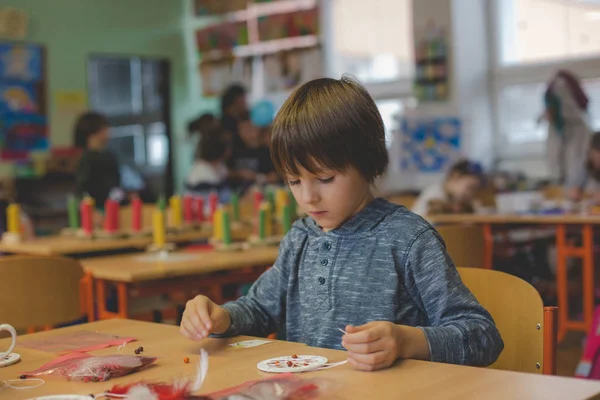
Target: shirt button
{"points": [[321, 280], [324, 262], [327, 246]]}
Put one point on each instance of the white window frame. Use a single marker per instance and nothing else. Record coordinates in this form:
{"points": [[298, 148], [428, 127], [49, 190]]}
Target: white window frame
{"points": [[502, 76]]}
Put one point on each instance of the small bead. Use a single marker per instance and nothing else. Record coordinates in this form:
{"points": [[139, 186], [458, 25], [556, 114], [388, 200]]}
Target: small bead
{"points": [[186, 360]]}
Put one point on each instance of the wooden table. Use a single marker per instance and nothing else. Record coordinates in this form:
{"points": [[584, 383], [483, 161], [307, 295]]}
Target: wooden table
{"points": [[228, 367], [181, 271], [64, 245], [564, 251]]}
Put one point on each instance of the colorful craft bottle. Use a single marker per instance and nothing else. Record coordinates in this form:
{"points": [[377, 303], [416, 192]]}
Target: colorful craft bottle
{"points": [[235, 206], [188, 212], [136, 214], [281, 200], [13, 218], [73, 210], [111, 216], [158, 228], [176, 211], [226, 226], [262, 224], [217, 221], [87, 216]]}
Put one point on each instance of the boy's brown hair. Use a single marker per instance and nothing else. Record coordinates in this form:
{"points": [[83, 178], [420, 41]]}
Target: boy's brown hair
{"points": [[332, 124]]}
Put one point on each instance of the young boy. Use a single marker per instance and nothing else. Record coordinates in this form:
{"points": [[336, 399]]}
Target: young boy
{"points": [[209, 171], [355, 262], [455, 195]]}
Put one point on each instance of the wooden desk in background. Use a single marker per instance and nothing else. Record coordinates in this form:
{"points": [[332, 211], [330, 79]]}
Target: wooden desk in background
{"points": [[183, 271], [64, 245], [229, 367], [564, 251]]}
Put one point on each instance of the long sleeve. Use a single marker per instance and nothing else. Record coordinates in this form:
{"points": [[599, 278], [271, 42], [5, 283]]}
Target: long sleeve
{"points": [[460, 330], [261, 311]]}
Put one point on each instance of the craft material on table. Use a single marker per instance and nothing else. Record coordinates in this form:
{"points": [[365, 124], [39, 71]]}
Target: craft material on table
{"points": [[88, 368], [245, 344], [295, 363], [80, 341]]}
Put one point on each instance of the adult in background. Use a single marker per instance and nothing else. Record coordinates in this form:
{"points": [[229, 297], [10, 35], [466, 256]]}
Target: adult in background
{"points": [[568, 131]]}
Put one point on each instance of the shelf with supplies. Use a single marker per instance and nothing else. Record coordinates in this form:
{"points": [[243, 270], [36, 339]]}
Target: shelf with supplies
{"points": [[266, 46]]}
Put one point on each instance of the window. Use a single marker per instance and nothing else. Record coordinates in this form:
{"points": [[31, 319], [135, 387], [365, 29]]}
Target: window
{"points": [[519, 109], [520, 106], [372, 40], [133, 93], [533, 31]]}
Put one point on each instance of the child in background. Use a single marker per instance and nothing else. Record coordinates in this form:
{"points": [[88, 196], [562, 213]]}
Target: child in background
{"points": [[252, 160], [98, 172], [590, 178], [209, 172], [355, 262], [455, 195]]}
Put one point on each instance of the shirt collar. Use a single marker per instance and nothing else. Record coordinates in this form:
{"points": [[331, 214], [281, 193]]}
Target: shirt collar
{"points": [[364, 221]]}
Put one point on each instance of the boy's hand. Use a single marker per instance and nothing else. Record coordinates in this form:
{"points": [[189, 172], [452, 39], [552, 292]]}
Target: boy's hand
{"points": [[379, 344], [372, 346], [203, 317]]}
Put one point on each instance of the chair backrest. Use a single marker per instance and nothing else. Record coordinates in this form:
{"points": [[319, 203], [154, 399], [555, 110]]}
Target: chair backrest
{"points": [[518, 312], [38, 291], [465, 244]]}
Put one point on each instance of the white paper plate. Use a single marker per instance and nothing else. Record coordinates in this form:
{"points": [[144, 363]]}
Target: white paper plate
{"points": [[300, 364]]}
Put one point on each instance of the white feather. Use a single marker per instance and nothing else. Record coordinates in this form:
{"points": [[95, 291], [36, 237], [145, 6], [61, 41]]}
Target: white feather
{"points": [[201, 371]]}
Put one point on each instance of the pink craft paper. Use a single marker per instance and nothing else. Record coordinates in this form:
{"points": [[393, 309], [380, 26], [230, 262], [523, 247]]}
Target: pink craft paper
{"points": [[80, 341]]}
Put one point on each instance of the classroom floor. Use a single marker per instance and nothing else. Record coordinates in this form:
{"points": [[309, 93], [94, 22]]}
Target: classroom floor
{"points": [[569, 354]]}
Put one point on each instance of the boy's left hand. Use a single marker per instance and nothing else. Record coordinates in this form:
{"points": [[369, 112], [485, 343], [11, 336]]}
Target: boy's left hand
{"points": [[372, 346]]}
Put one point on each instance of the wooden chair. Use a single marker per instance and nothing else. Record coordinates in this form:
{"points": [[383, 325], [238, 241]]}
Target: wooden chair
{"points": [[529, 329], [465, 244], [40, 291]]}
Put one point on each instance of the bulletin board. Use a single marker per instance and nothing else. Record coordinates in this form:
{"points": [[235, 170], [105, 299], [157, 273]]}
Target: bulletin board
{"points": [[23, 111], [429, 144]]}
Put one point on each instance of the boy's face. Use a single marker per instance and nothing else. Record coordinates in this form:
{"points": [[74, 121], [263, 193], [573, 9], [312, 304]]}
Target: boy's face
{"points": [[330, 197]]}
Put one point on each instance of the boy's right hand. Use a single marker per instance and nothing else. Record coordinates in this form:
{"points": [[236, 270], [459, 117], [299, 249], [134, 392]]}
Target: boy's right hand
{"points": [[203, 317]]}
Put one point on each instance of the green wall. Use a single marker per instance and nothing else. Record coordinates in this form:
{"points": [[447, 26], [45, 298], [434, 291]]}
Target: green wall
{"points": [[71, 30]]}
